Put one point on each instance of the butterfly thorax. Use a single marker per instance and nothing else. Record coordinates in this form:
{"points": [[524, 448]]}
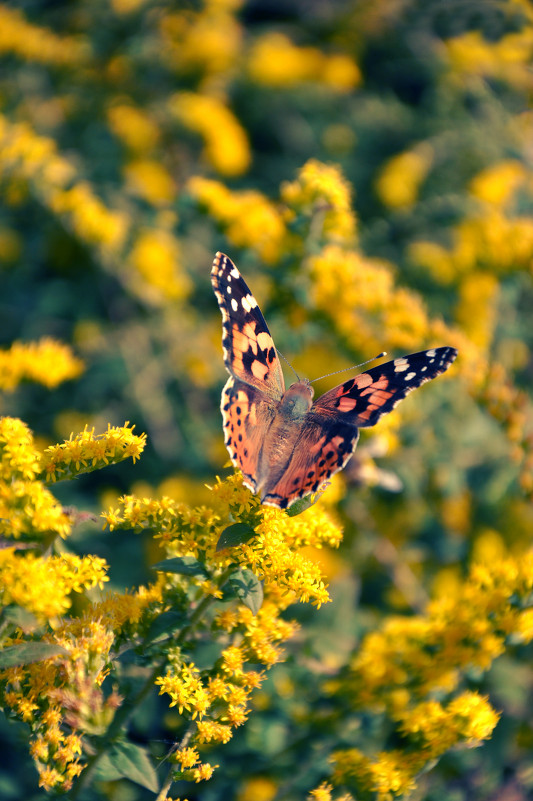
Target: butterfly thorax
{"points": [[296, 401]]}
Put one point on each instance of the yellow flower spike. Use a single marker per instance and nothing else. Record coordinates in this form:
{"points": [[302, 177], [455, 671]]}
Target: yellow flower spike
{"points": [[226, 142], [34, 43], [250, 220], [88, 451], [399, 181], [322, 189], [43, 585], [46, 362], [275, 61], [157, 266]]}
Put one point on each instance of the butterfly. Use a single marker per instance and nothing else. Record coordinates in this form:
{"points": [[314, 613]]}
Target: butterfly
{"points": [[286, 445]]}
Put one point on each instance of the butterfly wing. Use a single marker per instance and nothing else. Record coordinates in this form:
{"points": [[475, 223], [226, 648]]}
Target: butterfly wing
{"points": [[255, 387], [323, 447], [330, 432], [249, 352], [362, 400], [246, 417]]}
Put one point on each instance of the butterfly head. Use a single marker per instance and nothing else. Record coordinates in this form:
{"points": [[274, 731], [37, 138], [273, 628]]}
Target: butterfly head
{"points": [[297, 400]]}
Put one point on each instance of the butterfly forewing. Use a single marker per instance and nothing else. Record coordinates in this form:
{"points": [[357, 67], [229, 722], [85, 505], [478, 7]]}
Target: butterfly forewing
{"points": [[362, 400], [249, 351]]}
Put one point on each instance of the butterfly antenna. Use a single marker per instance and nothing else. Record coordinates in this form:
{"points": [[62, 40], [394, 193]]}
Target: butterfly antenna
{"points": [[290, 365], [355, 366]]}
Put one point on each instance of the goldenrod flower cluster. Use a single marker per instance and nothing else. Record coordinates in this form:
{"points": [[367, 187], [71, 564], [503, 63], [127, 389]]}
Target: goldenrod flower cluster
{"points": [[322, 196], [413, 668], [47, 362], [275, 61], [28, 157], [226, 143], [28, 511], [43, 586], [400, 179], [217, 699], [89, 451], [33, 43], [61, 700], [249, 218], [207, 40]]}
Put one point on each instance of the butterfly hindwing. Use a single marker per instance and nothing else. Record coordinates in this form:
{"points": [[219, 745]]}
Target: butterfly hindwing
{"points": [[246, 416], [362, 400], [249, 351], [323, 448]]}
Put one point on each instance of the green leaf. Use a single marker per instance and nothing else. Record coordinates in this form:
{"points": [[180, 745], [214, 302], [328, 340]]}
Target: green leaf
{"points": [[185, 565], [236, 534], [21, 618], [301, 505], [247, 587], [23, 654], [164, 625], [128, 761]]}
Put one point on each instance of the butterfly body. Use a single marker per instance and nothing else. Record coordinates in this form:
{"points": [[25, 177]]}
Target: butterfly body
{"points": [[285, 444]]}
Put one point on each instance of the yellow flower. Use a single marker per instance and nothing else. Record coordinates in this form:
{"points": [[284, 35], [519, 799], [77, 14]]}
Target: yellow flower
{"points": [[498, 183], [399, 181], [90, 219], [151, 181], [508, 59], [258, 788], [43, 585], [89, 451], [186, 757], [186, 690], [388, 775], [474, 716], [226, 142], [156, 259], [134, 127], [322, 793], [209, 731], [322, 194], [46, 361], [275, 61], [204, 772], [210, 40], [369, 310], [249, 219], [39, 44]]}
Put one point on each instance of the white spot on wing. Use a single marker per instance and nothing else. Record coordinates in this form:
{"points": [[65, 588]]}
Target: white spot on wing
{"points": [[234, 272], [248, 303], [431, 352], [400, 365], [234, 304], [410, 376]]}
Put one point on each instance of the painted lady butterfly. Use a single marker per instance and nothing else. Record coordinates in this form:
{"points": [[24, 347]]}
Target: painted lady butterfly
{"points": [[285, 445]]}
